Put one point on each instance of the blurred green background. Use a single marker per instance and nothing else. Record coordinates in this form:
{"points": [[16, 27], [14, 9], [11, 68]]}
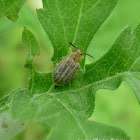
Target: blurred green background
{"points": [[114, 107]]}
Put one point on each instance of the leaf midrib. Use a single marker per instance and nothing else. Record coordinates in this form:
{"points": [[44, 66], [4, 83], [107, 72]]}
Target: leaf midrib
{"points": [[79, 18], [76, 120], [61, 21]]}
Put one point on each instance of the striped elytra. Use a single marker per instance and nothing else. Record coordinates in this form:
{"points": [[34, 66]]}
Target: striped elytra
{"points": [[67, 67], [65, 71]]}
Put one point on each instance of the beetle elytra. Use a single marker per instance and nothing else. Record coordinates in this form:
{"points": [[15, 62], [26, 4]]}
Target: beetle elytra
{"points": [[67, 67]]}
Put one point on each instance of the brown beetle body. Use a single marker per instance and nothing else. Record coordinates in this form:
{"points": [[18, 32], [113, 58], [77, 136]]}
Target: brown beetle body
{"points": [[66, 68]]}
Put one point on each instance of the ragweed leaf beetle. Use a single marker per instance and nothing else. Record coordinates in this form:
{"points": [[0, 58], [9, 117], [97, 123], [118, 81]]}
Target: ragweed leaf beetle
{"points": [[67, 67]]}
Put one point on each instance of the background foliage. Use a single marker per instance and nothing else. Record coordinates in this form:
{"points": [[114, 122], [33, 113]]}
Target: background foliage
{"points": [[118, 108]]}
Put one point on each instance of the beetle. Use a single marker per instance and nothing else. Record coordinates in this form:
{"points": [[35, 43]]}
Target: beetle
{"points": [[67, 67]]}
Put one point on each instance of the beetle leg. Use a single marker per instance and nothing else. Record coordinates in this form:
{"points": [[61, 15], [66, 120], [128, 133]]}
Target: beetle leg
{"points": [[55, 87], [55, 64], [75, 74]]}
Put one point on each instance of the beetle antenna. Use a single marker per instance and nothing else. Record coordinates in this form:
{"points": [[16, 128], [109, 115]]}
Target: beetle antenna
{"points": [[73, 45], [88, 54], [82, 51]]}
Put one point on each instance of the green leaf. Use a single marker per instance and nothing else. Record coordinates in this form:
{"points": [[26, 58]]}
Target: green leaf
{"points": [[9, 128], [67, 108], [10, 8], [75, 103], [22, 98], [120, 63], [30, 40], [4, 102], [40, 82], [73, 21], [50, 110], [55, 113]]}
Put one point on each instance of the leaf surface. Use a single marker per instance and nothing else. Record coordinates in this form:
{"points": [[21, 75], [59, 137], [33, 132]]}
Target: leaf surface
{"points": [[30, 40], [68, 107], [73, 21], [120, 63], [10, 128], [50, 110], [10, 8]]}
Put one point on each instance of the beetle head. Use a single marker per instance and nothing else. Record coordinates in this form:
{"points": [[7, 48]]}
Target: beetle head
{"points": [[79, 52]]}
